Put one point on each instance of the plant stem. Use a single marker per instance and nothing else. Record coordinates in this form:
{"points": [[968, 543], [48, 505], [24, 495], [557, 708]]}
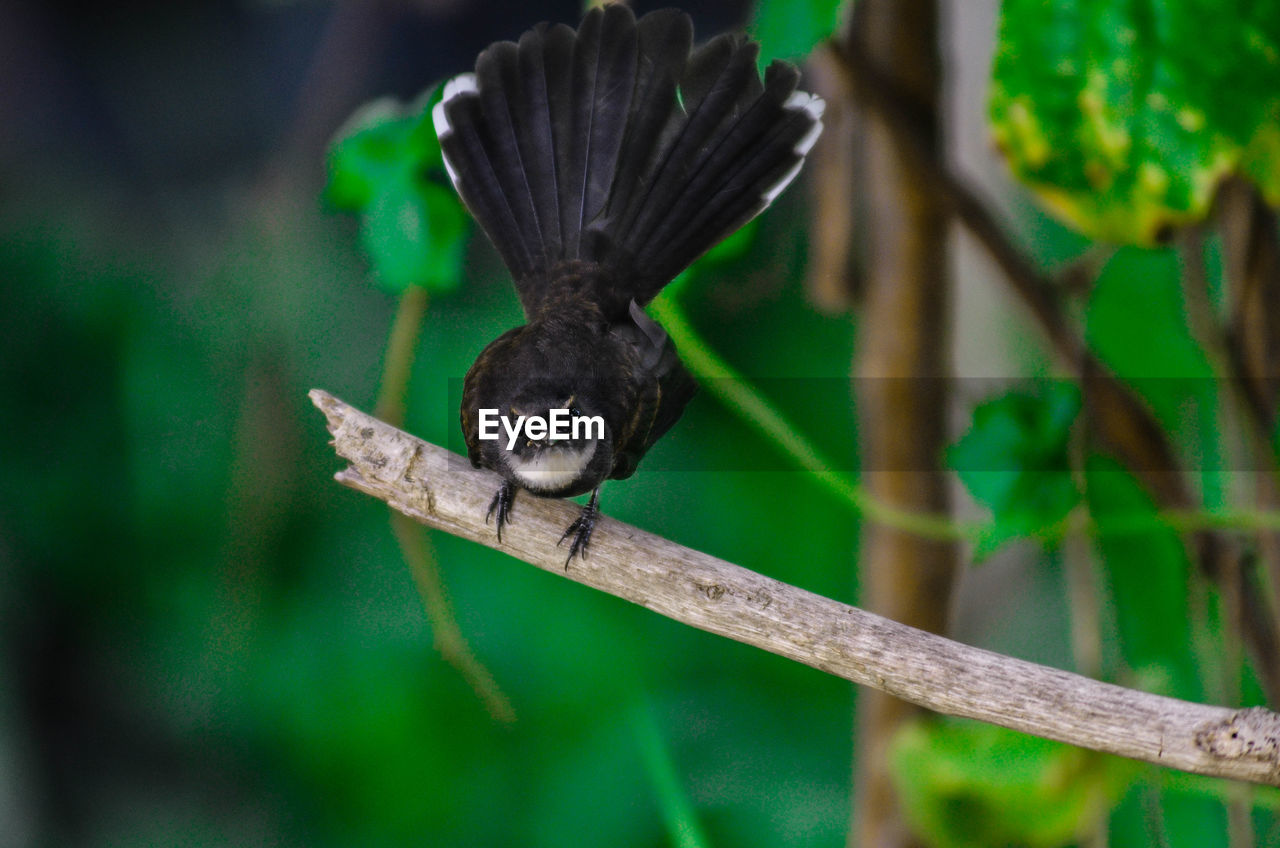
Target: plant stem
{"points": [[737, 393], [415, 546], [677, 808], [412, 538], [401, 347]]}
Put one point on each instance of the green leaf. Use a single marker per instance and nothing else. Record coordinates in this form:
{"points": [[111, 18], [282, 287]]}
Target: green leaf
{"points": [[1147, 576], [415, 236], [1013, 460], [385, 165], [1162, 363], [381, 144], [1147, 573], [789, 29], [964, 783], [1123, 117]]}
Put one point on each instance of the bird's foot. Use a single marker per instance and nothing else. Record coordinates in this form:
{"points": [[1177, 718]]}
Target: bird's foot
{"points": [[581, 529], [501, 504]]}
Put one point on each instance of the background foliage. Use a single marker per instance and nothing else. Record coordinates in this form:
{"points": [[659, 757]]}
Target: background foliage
{"points": [[206, 641]]}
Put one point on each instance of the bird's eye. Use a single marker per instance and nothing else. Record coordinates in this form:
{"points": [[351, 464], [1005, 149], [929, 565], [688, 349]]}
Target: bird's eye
{"points": [[574, 411]]}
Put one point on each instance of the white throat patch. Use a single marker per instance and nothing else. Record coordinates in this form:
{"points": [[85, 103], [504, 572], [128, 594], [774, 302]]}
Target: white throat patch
{"points": [[551, 469]]}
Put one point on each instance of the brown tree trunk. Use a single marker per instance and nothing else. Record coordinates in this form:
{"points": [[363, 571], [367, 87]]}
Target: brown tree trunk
{"points": [[1251, 248], [901, 382]]}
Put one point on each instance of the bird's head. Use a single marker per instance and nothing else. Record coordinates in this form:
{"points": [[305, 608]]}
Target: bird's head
{"points": [[552, 444]]}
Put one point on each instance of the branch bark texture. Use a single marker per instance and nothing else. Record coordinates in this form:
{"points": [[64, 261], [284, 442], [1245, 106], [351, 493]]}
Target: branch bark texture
{"points": [[440, 489]]}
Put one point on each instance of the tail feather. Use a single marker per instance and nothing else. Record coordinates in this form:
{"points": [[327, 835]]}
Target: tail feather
{"points": [[511, 142], [618, 146], [604, 61], [528, 76], [743, 132], [761, 171], [720, 75], [469, 156], [665, 39], [557, 59]]}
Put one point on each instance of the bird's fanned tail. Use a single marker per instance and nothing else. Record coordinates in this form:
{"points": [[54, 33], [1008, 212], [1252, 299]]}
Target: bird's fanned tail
{"points": [[617, 146]]}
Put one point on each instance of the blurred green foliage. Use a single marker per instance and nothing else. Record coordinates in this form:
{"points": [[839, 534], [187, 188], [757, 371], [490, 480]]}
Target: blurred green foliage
{"points": [[1162, 363], [1014, 461], [385, 165], [1123, 117], [787, 29], [968, 784], [262, 632]]}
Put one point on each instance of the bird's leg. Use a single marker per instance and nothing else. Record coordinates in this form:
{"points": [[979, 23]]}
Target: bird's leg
{"points": [[502, 502], [581, 528]]}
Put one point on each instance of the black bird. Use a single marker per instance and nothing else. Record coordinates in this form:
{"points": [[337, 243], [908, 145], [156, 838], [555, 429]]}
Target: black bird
{"points": [[602, 162]]}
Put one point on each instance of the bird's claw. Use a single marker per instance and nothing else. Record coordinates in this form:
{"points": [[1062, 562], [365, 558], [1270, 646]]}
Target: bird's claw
{"points": [[501, 503], [581, 529]]}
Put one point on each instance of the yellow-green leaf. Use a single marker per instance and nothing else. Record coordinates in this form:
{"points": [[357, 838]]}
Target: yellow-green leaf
{"points": [[1124, 117]]}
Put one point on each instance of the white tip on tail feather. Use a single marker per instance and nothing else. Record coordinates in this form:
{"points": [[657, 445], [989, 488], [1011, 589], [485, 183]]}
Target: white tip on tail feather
{"points": [[781, 184], [440, 120], [461, 84], [454, 88], [803, 101], [453, 175], [813, 106], [805, 144]]}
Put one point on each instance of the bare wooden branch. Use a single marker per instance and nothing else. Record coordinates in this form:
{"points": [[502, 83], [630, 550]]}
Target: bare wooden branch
{"points": [[441, 489]]}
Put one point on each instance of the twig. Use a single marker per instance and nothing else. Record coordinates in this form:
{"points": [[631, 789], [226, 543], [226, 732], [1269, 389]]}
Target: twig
{"points": [[736, 392], [1207, 331], [1251, 250], [904, 120], [440, 489], [740, 397], [401, 347], [446, 634]]}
